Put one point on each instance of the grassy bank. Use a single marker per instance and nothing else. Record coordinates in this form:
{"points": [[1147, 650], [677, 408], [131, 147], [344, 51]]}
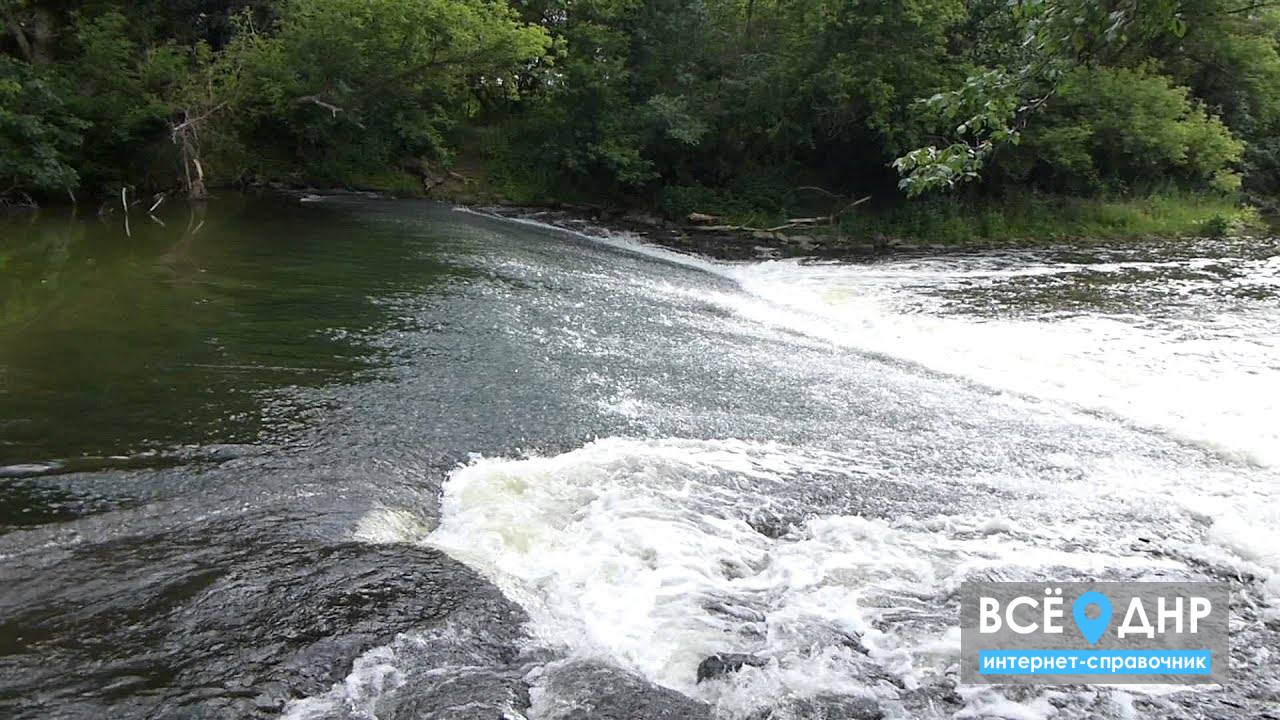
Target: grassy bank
{"points": [[1025, 218], [1017, 218], [1031, 218]]}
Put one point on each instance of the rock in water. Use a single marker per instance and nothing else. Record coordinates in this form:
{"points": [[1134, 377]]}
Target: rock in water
{"points": [[589, 690], [723, 664], [824, 707]]}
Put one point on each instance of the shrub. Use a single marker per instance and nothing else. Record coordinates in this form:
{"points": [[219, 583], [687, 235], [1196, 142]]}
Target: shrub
{"points": [[37, 131], [1112, 128]]}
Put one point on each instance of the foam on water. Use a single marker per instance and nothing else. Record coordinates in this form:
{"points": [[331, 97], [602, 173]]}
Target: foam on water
{"points": [[656, 552], [372, 675], [1207, 374], [646, 552], [641, 551], [1210, 376]]}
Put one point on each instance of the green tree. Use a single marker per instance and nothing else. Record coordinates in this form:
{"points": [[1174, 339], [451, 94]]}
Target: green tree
{"points": [[38, 132], [1230, 59], [994, 104], [1112, 128], [357, 85], [119, 89]]}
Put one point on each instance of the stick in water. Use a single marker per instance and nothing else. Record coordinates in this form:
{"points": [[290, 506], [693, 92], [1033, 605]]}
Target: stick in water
{"points": [[124, 203]]}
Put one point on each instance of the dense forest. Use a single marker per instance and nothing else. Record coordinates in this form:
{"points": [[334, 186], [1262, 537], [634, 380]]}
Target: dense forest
{"points": [[682, 105]]}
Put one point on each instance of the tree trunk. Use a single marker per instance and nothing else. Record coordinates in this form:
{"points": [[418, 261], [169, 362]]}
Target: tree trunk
{"points": [[32, 32], [15, 28]]}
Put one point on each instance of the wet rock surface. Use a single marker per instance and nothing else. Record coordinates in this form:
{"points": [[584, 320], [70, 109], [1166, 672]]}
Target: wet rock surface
{"points": [[700, 240], [221, 619], [824, 707], [464, 668], [720, 665], [588, 690]]}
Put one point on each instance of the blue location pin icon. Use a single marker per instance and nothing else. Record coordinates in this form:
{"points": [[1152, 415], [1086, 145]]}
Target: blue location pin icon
{"points": [[1092, 628]]}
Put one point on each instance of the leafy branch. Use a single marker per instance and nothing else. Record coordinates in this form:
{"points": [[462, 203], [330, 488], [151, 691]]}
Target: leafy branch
{"points": [[993, 107]]}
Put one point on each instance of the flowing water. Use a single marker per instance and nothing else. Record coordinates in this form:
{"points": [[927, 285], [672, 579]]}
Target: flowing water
{"points": [[356, 458]]}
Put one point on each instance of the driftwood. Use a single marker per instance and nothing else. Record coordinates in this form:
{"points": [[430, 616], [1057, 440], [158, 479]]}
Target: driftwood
{"points": [[790, 223], [124, 203]]}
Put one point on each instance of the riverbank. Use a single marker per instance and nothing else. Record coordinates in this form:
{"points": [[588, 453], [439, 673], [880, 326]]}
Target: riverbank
{"points": [[814, 222], [929, 226], [823, 224]]}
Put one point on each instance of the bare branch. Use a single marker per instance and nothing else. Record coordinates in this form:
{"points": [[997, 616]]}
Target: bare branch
{"points": [[789, 224], [192, 123], [333, 109]]}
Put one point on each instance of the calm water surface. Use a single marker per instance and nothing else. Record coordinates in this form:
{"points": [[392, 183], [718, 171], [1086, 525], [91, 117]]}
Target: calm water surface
{"points": [[356, 458]]}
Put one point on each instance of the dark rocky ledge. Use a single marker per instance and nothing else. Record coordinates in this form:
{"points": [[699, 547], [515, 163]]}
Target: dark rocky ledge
{"points": [[719, 243]]}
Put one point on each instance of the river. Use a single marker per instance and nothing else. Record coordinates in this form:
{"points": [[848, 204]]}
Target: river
{"points": [[348, 457]]}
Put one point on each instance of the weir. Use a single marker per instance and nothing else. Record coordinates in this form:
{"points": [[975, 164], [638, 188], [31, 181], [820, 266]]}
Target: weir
{"points": [[416, 462]]}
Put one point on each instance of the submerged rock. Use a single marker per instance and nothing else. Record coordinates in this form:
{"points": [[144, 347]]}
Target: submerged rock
{"points": [[770, 525], [738, 612], [589, 690], [824, 707], [725, 663]]}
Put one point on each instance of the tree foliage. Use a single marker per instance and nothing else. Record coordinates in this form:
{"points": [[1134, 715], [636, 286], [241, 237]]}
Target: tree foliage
{"points": [[1125, 127], [318, 89], [720, 98], [386, 76], [1069, 45], [37, 131]]}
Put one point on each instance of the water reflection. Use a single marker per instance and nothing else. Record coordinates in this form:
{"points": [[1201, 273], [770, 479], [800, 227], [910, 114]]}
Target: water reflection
{"points": [[127, 350]]}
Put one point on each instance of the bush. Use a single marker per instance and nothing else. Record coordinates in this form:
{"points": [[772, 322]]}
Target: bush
{"points": [[678, 201], [1215, 227], [1035, 217], [120, 91], [37, 131], [1123, 128]]}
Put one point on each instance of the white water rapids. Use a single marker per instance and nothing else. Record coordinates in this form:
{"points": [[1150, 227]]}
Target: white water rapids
{"points": [[994, 415]]}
